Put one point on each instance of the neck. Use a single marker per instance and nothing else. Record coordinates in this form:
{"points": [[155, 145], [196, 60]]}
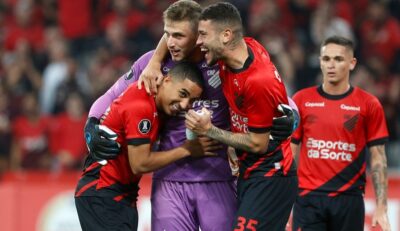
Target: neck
{"points": [[236, 55], [336, 89]]}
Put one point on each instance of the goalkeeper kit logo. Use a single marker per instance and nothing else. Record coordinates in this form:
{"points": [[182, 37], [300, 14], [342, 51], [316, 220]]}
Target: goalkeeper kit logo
{"points": [[129, 75]]}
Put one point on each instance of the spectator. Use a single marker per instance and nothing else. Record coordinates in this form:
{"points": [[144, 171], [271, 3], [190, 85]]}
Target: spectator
{"points": [[122, 11], [75, 81], [76, 23], [325, 23], [380, 34], [5, 130], [25, 25], [67, 143], [54, 74], [21, 75], [29, 149]]}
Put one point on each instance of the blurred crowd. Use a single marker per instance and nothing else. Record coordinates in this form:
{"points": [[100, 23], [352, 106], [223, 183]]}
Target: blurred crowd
{"points": [[58, 56]]}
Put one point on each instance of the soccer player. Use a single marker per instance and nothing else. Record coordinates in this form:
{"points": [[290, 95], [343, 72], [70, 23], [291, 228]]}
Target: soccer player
{"points": [[267, 182], [106, 194], [338, 121], [185, 192]]}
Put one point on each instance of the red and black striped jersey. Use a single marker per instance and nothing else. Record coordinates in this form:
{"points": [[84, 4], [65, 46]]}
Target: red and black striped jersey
{"points": [[253, 94], [334, 131], [133, 116]]}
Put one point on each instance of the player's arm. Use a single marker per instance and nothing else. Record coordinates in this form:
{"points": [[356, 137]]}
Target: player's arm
{"points": [[97, 139], [151, 76], [380, 182], [250, 142], [143, 160], [100, 142], [103, 102]]}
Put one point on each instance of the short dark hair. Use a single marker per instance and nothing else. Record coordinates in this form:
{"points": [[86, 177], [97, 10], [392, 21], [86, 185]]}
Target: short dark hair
{"points": [[339, 40], [184, 10], [187, 70], [224, 14]]}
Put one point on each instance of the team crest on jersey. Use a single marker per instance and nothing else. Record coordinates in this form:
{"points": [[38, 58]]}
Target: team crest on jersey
{"points": [[351, 122], [129, 75], [214, 81], [144, 126], [239, 100]]}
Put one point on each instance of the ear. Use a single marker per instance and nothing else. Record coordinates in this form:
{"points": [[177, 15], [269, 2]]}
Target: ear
{"points": [[167, 78], [226, 36], [353, 64]]}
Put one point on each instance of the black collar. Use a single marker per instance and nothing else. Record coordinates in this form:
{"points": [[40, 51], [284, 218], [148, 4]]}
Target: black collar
{"points": [[247, 63], [334, 97]]}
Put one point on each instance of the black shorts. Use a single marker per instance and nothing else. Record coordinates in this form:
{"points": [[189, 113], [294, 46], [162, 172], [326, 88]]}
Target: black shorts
{"points": [[342, 212], [104, 213], [265, 203]]}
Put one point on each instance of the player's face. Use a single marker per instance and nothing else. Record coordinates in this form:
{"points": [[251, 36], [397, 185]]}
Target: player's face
{"points": [[180, 37], [336, 62], [176, 96], [210, 42]]}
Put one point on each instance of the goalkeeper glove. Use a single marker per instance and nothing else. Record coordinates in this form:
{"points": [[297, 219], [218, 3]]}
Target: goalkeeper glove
{"points": [[100, 140], [283, 127]]}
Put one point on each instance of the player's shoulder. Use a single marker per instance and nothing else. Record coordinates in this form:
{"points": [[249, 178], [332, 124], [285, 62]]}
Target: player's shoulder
{"points": [[365, 96], [136, 95], [251, 42], [305, 92], [362, 93], [144, 59]]}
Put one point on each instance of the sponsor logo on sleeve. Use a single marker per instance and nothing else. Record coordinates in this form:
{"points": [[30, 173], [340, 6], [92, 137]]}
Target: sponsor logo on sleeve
{"points": [[144, 126], [129, 74]]}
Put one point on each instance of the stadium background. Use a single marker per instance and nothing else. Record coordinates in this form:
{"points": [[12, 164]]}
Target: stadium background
{"points": [[58, 56]]}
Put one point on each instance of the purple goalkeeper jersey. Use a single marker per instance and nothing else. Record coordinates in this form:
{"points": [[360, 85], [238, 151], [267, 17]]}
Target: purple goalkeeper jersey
{"points": [[173, 132]]}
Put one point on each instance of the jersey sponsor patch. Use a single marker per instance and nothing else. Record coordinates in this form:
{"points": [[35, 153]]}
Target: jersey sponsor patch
{"points": [[331, 150], [144, 126]]}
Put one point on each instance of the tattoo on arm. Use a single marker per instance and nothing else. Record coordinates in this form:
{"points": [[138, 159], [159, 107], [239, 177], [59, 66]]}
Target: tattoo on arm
{"points": [[240, 141], [379, 174]]}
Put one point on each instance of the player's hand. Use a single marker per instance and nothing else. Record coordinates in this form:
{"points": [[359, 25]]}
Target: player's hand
{"points": [[380, 217], [100, 140], [200, 147], [233, 161], [283, 127], [151, 77], [209, 145], [199, 122]]}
